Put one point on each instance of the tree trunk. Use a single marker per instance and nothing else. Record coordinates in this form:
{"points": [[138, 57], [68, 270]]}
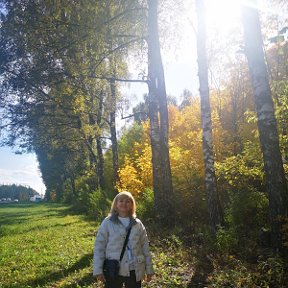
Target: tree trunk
{"points": [[214, 207], [92, 159], [100, 162], [73, 186], [158, 114], [156, 151], [268, 134], [96, 161], [112, 124]]}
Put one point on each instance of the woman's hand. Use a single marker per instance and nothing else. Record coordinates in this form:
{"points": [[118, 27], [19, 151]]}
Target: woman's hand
{"points": [[100, 277], [149, 277]]}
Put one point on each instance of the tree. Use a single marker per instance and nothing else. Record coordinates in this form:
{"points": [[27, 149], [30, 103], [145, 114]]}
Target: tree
{"points": [[268, 134], [52, 55], [158, 115], [214, 207]]}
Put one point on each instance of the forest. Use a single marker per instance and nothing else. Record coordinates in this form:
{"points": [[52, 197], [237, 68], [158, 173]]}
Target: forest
{"points": [[19, 192], [211, 166]]}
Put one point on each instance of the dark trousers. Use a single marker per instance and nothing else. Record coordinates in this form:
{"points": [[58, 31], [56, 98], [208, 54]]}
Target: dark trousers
{"points": [[130, 282]]}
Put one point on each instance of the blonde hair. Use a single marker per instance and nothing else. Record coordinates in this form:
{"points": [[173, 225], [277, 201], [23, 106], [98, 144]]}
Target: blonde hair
{"points": [[125, 195]]}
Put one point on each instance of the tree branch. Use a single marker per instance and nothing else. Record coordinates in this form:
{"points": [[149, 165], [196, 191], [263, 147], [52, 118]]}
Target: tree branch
{"points": [[119, 79], [132, 115]]}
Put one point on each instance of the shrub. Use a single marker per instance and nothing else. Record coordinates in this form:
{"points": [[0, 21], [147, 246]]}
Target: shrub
{"points": [[226, 240], [273, 273], [145, 205], [245, 217], [98, 204], [249, 212]]}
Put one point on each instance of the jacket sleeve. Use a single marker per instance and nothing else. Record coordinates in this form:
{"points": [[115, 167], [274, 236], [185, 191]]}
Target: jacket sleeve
{"points": [[100, 248], [146, 251]]}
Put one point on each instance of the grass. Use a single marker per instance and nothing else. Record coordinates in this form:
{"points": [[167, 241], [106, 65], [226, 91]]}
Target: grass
{"points": [[45, 245]]}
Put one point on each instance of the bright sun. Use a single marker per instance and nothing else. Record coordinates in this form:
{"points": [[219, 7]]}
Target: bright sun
{"points": [[222, 15]]}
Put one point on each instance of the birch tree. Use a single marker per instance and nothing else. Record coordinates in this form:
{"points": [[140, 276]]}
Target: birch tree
{"points": [[214, 208], [268, 135], [158, 115]]}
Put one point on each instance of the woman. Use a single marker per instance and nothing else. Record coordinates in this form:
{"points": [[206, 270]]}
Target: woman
{"points": [[110, 239]]}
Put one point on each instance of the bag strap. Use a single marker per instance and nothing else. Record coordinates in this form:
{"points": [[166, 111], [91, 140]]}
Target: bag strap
{"points": [[125, 243]]}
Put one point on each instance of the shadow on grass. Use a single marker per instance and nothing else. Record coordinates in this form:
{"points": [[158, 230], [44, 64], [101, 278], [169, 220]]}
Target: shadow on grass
{"points": [[51, 278], [85, 281]]}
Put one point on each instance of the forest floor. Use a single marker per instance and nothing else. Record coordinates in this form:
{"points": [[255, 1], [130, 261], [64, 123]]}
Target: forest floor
{"points": [[46, 245]]}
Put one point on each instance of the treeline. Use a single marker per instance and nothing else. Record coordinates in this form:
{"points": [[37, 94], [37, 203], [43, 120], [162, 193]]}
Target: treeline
{"points": [[19, 192], [61, 68]]}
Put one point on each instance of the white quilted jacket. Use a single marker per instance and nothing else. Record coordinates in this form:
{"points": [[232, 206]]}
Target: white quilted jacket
{"points": [[109, 242]]}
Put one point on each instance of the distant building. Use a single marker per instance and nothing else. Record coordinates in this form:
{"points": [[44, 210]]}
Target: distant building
{"points": [[8, 200], [36, 198]]}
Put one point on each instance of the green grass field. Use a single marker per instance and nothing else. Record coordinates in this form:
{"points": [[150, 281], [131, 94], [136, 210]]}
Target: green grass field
{"points": [[43, 245], [46, 245]]}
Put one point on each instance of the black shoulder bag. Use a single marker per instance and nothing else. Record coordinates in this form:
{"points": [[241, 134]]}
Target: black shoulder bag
{"points": [[111, 266]]}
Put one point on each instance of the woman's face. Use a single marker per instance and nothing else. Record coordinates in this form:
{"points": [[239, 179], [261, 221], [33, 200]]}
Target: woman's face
{"points": [[124, 207]]}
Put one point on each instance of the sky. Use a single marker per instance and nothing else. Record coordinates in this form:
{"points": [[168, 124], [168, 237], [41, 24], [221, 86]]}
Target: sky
{"points": [[180, 69], [20, 169]]}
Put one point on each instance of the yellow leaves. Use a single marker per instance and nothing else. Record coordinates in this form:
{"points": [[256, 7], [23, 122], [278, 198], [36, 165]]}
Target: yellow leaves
{"points": [[286, 168], [136, 173], [219, 137], [144, 165], [187, 119], [53, 195], [185, 143], [185, 151], [129, 179], [91, 130], [185, 163]]}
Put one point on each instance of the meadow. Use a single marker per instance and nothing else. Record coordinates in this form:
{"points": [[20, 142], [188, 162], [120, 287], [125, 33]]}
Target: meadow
{"points": [[47, 245], [43, 245]]}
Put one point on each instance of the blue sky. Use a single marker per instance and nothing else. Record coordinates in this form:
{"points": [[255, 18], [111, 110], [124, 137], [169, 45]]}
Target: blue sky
{"points": [[20, 169]]}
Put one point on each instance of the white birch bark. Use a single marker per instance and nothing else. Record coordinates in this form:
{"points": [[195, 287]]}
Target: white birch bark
{"points": [[268, 134], [214, 207]]}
